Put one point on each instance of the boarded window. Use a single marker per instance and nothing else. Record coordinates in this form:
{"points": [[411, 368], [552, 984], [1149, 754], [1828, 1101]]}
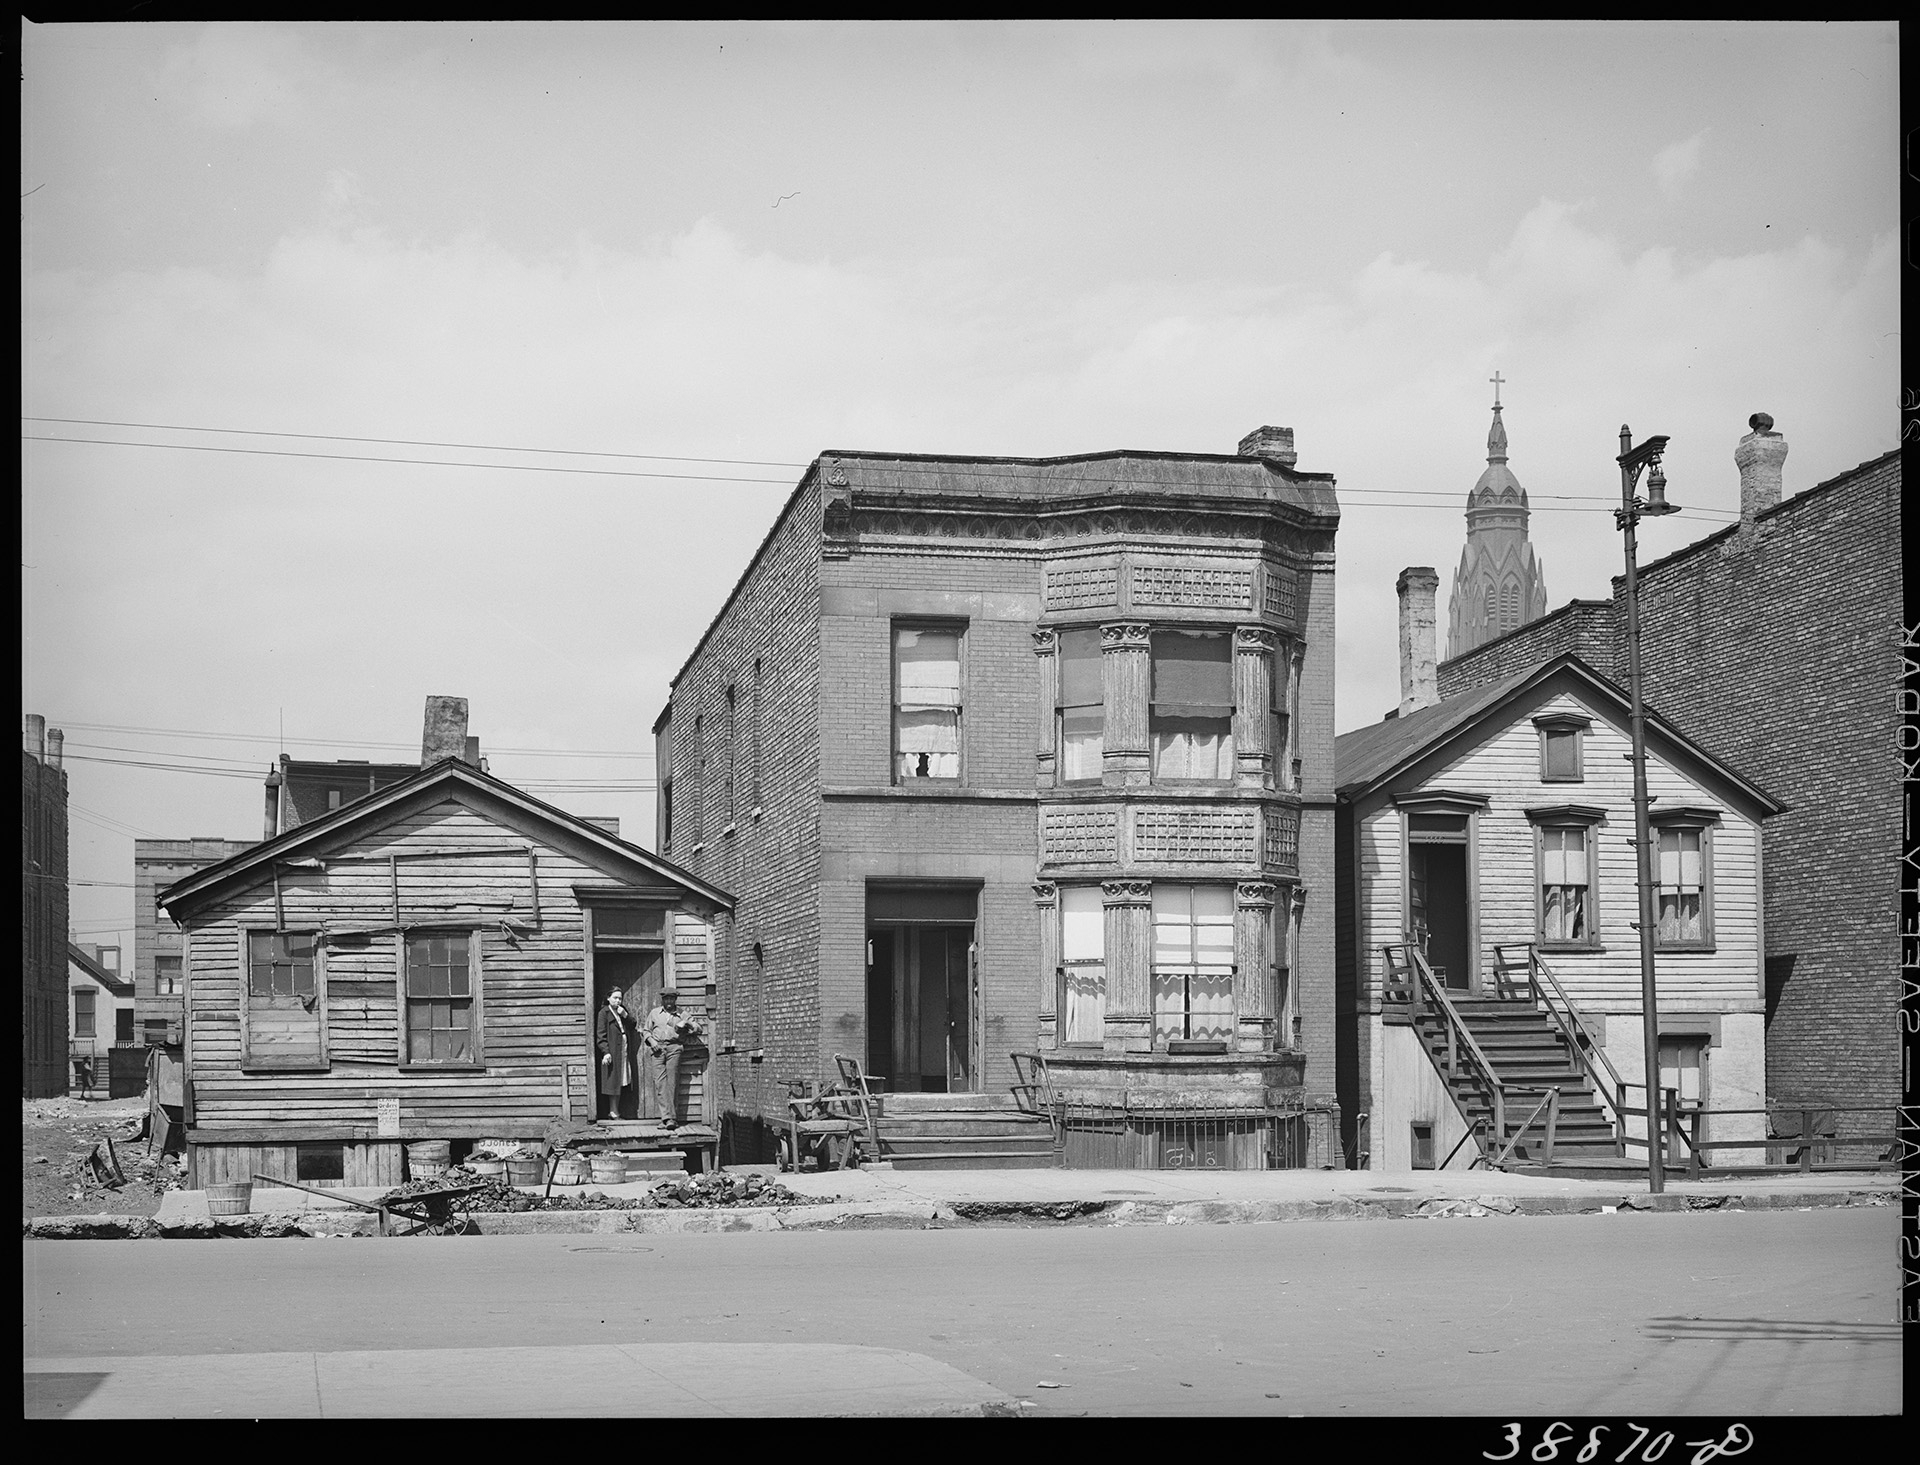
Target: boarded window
{"points": [[280, 963], [1083, 957], [1082, 707], [1560, 753], [926, 709], [439, 998], [1191, 718]]}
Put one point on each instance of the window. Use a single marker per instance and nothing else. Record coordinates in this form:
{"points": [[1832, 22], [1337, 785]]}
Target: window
{"points": [[1422, 1146], [280, 964], [333, 799], [753, 741], [666, 813], [1277, 721], [83, 1014], [697, 812], [1191, 717], [728, 731], [1562, 745], [1083, 711], [440, 986], [1280, 981], [1083, 1012], [166, 976], [1682, 898], [317, 1162], [926, 703], [123, 1025], [1565, 886], [1192, 963]]}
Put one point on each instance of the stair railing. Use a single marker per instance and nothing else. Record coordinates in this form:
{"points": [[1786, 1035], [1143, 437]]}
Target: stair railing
{"points": [[1034, 1081], [1549, 1102], [1544, 989], [1411, 980]]}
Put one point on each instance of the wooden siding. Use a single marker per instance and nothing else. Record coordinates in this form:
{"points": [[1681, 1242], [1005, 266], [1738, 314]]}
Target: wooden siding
{"points": [[1506, 769], [531, 987]]}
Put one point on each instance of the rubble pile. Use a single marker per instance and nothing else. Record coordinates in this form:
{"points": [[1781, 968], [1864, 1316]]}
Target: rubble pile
{"points": [[687, 1192]]}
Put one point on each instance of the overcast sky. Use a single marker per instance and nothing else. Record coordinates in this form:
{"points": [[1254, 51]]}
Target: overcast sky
{"points": [[757, 242]]}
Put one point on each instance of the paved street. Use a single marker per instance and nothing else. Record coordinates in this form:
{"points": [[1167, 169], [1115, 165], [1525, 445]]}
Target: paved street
{"points": [[1737, 1313]]}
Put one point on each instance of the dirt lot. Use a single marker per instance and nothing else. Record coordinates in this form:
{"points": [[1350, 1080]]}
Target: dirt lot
{"points": [[56, 1137]]}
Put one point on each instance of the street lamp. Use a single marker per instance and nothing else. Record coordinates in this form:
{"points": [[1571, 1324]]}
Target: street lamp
{"points": [[1632, 462]]}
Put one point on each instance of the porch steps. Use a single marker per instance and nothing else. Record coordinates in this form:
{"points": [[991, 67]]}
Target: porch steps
{"points": [[1529, 1053], [961, 1132]]}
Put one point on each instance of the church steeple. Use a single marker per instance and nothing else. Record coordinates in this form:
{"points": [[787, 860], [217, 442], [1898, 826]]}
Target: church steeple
{"points": [[1500, 584]]}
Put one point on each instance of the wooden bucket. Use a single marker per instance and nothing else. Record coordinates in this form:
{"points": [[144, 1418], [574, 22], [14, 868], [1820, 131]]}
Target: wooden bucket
{"points": [[572, 1170], [229, 1200], [610, 1169], [527, 1170], [429, 1159]]}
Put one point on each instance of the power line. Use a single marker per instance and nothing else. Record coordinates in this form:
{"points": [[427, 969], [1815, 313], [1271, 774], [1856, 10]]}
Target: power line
{"points": [[176, 732]]}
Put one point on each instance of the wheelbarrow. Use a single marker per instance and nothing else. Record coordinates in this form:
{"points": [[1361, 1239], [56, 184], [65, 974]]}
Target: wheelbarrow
{"points": [[429, 1210]]}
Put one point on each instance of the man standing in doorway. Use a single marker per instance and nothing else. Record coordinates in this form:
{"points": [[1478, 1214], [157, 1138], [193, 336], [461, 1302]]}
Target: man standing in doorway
{"points": [[665, 1032]]}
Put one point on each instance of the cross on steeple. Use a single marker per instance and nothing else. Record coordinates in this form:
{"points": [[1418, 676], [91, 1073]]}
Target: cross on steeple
{"points": [[1496, 379]]}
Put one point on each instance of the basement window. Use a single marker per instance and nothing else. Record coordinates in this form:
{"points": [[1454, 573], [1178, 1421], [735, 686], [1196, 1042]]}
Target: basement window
{"points": [[318, 1162], [1423, 1146]]}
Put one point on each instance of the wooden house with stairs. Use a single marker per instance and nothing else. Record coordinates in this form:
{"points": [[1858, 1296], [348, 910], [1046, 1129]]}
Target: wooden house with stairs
{"points": [[1488, 969]]}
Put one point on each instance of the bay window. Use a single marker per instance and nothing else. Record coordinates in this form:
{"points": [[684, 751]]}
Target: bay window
{"points": [[1083, 1010], [1190, 719], [1192, 963], [926, 705], [1082, 711]]}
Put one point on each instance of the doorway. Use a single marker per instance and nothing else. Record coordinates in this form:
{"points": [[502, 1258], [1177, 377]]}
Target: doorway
{"points": [[923, 1008], [1439, 909], [638, 975]]}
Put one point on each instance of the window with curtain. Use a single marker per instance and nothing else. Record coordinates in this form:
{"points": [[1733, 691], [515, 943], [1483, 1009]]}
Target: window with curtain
{"points": [[1192, 963], [926, 705], [1083, 712], [1679, 878], [1564, 882], [1190, 720], [1083, 958], [439, 997]]}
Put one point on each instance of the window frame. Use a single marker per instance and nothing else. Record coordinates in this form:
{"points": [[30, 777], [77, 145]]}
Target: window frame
{"points": [[1064, 975], [170, 983], [1549, 724], [958, 628], [1186, 1042], [476, 1024], [1702, 822], [1061, 707], [1559, 818], [1154, 719], [252, 1062], [85, 1005]]}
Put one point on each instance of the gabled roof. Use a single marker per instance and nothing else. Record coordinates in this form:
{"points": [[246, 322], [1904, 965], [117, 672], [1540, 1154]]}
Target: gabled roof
{"points": [[1370, 756], [374, 810], [118, 986]]}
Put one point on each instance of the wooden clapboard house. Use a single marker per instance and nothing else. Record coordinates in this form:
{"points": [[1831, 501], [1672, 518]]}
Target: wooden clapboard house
{"points": [[422, 964]]}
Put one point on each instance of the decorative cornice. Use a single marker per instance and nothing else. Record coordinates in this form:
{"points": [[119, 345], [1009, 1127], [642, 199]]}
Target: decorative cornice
{"points": [[1126, 636], [1152, 524], [1126, 892], [1254, 639], [1253, 894]]}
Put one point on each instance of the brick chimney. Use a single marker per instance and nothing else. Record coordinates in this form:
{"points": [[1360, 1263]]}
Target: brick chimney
{"points": [[274, 780], [1758, 457], [56, 746], [34, 736], [1419, 678], [445, 733], [1275, 444]]}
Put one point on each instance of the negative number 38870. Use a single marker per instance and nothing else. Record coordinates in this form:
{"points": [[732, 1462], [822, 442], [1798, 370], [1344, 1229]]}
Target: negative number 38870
{"points": [[1737, 1441]]}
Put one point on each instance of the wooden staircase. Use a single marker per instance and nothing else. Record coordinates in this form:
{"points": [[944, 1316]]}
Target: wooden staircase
{"points": [[960, 1132], [1530, 1055]]}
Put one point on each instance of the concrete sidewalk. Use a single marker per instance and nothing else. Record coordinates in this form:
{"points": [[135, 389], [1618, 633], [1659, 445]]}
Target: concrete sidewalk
{"points": [[630, 1380], [882, 1197]]}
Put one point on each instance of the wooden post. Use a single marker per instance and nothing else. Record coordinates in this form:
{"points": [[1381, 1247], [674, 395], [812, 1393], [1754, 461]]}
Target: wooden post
{"points": [[1806, 1139], [1620, 1119], [1553, 1119]]}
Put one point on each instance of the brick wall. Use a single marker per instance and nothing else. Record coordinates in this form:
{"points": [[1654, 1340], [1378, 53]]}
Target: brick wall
{"points": [[1775, 646], [770, 862], [1583, 627], [43, 929]]}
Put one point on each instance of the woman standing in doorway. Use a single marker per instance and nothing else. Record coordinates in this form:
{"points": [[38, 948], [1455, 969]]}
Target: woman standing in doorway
{"points": [[613, 1034]]}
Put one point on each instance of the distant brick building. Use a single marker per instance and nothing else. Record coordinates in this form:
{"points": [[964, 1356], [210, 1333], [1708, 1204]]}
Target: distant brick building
{"points": [[1009, 755], [43, 913], [158, 978], [1774, 644]]}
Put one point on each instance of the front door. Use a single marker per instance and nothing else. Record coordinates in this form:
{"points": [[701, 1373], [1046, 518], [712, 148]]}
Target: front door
{"points": [[921, 1007], [1437, 909], [637, 974]]}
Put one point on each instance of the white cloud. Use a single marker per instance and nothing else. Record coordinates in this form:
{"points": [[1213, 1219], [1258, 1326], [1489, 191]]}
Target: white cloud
{"points": [[233, 75], [1675, 164]]}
